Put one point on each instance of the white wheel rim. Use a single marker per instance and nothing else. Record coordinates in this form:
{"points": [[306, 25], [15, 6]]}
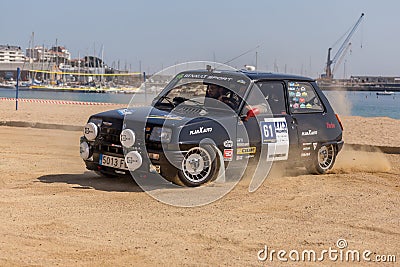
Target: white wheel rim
{"points": [[325, 157], [196, 165]]}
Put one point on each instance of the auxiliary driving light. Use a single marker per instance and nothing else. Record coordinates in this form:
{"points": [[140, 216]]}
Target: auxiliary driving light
{"points": [[90, 131], [84, 150], [127, 138], [133, 160]]}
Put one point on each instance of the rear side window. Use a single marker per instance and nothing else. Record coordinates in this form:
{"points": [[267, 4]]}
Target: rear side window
{"points": [[303, 98]]}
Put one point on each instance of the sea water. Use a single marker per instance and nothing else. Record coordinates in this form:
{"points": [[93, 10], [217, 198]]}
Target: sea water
{"points": [[119, 98], [354, 103], [365, 104]]}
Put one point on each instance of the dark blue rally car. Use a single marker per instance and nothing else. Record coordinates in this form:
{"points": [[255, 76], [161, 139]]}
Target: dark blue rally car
{"points": [[206, 120]]}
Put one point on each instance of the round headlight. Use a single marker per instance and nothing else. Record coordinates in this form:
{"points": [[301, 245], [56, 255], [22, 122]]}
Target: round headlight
{"points": [[133, 160], [127, 138], [84, 150], [90, 131]]}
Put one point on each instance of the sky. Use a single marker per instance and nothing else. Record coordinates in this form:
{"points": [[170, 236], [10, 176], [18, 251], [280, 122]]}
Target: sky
{"points": [[278, 36]]}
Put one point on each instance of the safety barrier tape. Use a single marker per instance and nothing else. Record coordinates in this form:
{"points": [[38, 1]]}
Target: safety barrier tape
{"points": [[58, 102]]}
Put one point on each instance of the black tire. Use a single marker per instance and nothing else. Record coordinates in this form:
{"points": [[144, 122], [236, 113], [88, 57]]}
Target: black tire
{"points": [[323, 160], [199, 166]]}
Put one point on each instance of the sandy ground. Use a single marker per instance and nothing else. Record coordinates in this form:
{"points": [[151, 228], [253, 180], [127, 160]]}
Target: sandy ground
{"points": [[56, 213]]}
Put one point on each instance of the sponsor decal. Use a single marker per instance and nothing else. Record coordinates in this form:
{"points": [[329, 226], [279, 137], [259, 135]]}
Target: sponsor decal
{"points": [[275, 134], [292, 94], [292, 88], [291, 83], [246, 150], [298, 94], [276, 156], [241, 81], [219, 78], [178, 77], [307, 144], [228, 143], [296, 105], [201, 130], [195, 76], [304, 94], [228, 154], [308, 105], [295, 99], [124, 111], [330, 125], [243, 144], [307, 154], [203, 112], [309, 132], [303, 89], [239, 157], [315, 145], [240, 142], [302, 100], [302, 106], [165, 117]]}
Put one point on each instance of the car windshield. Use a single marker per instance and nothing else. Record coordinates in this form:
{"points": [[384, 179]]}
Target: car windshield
{"points": [[204, 90]]}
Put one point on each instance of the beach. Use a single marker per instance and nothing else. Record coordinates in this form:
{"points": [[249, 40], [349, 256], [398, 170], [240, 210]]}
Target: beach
{"points": [[54, 212]]}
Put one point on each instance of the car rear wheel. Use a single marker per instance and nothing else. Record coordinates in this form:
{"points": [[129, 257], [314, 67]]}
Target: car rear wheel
{"points": [[323, 160], [199, 166]]}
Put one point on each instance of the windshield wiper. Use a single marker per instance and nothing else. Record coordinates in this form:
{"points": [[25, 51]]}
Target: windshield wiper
{"points": [[168, 100], [191, 100]]}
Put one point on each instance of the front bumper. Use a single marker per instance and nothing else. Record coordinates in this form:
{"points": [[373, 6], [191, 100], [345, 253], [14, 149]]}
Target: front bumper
{"points": [[166, 163]]}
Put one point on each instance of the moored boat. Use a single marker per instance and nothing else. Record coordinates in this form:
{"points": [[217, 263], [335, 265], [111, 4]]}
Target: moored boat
{"points": [[385, 93]]}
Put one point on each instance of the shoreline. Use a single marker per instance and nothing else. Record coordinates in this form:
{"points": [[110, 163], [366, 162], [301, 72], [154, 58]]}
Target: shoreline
{"points": [[374, 131]]}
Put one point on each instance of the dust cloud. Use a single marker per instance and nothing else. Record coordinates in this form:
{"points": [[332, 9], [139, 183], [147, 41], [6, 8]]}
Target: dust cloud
{"points": [[340, 102], [350, 160]]}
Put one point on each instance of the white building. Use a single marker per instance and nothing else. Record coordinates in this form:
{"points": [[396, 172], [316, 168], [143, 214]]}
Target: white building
{"points": [[11, 54], [54, 54]]}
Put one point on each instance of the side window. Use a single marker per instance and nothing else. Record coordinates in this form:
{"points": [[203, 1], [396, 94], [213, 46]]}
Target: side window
{"points": [[273, 92], [303, 99]]}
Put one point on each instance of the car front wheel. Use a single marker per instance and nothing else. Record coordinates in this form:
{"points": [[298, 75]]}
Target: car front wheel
{"points": [[199, 166]]}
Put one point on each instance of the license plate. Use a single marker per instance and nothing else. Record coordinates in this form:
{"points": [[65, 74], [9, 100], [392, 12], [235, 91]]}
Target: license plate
{"points": [[114, 162]]}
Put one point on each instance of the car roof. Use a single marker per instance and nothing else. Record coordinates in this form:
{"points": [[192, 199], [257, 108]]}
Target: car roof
{"points": [[255, 75]]}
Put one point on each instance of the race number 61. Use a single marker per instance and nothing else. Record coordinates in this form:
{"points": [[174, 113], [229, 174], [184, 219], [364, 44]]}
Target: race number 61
{"points": [[268, 132]]}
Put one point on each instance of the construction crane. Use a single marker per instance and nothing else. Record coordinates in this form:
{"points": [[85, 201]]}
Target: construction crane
{"points": [[343, 48], [339, 61]]}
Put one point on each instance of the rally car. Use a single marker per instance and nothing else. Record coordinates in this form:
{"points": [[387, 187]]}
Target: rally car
{"points": [[206, 120]]}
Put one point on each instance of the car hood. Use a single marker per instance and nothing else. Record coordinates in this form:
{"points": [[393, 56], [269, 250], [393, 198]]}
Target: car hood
{"points": [[154, 116]]}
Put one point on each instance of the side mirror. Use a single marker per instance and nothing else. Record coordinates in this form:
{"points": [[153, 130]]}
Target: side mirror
{"points": [[252, 113]]}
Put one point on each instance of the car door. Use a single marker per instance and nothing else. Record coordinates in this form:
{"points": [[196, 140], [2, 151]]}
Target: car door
{"points": [[272, 129], [309, 113]]}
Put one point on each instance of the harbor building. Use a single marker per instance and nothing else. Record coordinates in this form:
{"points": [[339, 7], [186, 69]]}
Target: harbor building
{"points": [[11, 54]]}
